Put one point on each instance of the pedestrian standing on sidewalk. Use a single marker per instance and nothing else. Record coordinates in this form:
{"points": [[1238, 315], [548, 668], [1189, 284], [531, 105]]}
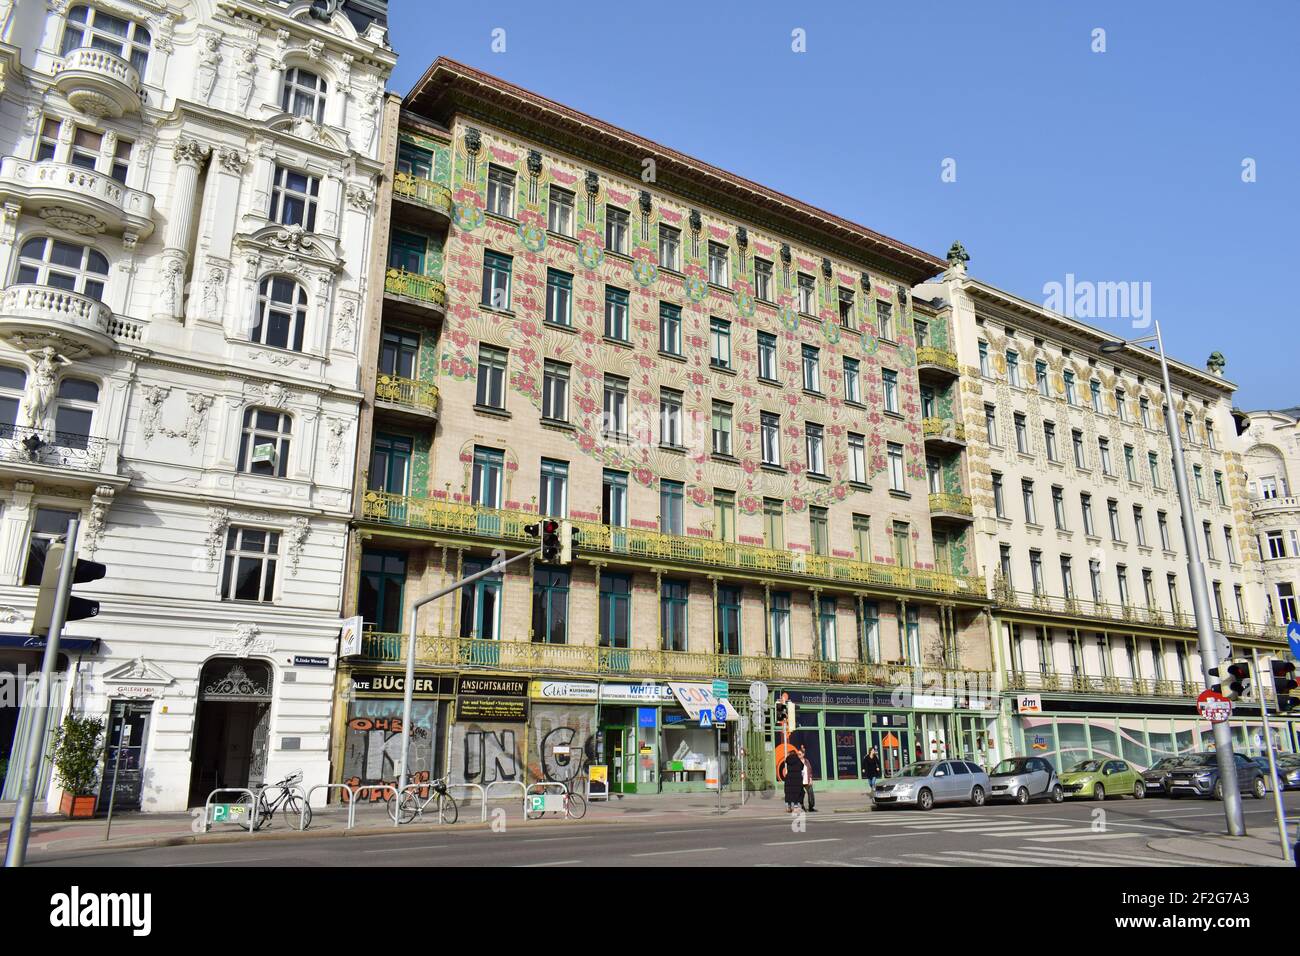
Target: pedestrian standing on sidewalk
{"points": [[808, 782], [793, 781], [871, 769]]}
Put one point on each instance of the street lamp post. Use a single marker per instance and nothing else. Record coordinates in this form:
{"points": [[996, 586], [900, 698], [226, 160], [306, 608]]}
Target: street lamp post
{"points": [[1200, 591]]}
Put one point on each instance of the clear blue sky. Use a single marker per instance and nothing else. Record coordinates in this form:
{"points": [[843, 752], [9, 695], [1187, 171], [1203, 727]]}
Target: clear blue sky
{"points": [[1115, 166]]}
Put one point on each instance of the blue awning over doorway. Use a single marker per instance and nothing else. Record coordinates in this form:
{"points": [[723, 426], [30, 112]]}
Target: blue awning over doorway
{"points": [[31, 642]]}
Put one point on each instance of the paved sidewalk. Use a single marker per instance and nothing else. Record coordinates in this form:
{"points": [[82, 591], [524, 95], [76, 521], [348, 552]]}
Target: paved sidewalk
{"points": [[131, 830], [1258, 848]]}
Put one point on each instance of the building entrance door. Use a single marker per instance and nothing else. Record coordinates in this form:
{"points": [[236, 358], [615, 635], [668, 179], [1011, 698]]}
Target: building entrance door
{"points": [[128, 761], [892, 744], [620, 758], [231, 727]]}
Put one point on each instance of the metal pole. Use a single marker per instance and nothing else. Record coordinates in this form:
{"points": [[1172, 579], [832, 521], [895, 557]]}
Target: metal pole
{"points": [[21, 827], [494, 568], [1201, 607], [123, 739], [1275, 784]]}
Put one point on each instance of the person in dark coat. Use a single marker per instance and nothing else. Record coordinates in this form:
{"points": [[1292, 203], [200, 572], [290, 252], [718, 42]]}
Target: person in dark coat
{"points": [[793, 781], [871, 769]]}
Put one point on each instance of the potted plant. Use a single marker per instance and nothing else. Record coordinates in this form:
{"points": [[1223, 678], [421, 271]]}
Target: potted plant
{"points": [[76, 751]]}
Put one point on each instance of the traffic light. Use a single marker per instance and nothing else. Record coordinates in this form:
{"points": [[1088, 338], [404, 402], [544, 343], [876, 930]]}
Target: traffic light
{"points": [[550, 541], [1283, 683], [558, 539], [78, 608], [569, 538], [780, 714], [1234, 679]]}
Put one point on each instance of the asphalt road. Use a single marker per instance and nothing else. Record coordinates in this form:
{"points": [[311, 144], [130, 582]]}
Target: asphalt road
{"points": [[1071, 834]]}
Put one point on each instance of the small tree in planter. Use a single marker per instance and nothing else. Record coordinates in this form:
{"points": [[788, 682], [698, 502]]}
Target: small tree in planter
{"points": [[76, 751]]}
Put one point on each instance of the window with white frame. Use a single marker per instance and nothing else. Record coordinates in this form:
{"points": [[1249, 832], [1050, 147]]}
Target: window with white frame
{"points": [[767, 356], [807, 294], [281, 317], [47, 143], [721, 428], [293, 198], [74, 411], [62, 265], [812, 368], [670, 418], [897, 481], [857, 458], [770, 435], [890, 379], [13, 384], [501, 192], [554, 498], [762, 280], [885, 318], [555, 391], [559, 211], [719, 273], [492, 365], [616, 304], [264, 443], [816, 461], [90, 27], [670, 247], [616, 230], [49, 525], [614, 422], [251, 558], [303, 94], [852, 387]]}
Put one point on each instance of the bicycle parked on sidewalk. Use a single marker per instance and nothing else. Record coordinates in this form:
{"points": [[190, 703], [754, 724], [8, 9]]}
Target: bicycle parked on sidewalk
{"points": [[410, 805], [574, 806], [292, 805]]}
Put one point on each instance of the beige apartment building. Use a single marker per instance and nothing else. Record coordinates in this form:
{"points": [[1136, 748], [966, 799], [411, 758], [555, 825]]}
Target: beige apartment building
{"points": [[1077, 525], [1272, 461], [735, 398]]}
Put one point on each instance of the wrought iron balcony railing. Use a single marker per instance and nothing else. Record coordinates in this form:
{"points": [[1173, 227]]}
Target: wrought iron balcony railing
{"points": [[492, 523], [423, 191], [409, 285], [586, 659], [946, 501], [1096, 684], [35, 446], [408, 392]]}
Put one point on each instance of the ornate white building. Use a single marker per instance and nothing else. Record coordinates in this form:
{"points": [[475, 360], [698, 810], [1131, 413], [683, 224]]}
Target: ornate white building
{"points": [[1272, 439], [187, 192]]}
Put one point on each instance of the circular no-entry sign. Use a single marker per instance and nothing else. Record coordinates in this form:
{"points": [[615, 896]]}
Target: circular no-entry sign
{"points": [[1213, 706]]}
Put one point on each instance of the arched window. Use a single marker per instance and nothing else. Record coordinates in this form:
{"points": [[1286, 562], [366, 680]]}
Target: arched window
{"points": [[303, 94], [62, 265], [281, 313], [13, 382], [74, 411], [98, 30], [264, 444]]}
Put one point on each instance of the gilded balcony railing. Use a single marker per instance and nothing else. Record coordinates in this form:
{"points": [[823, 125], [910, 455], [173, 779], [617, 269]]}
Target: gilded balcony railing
{"points": [[410, 392], [475, 521], [413, 286], [946, 501], [423, 191], [929, 355], [586, 659], [943, 428], [1098, 684]]}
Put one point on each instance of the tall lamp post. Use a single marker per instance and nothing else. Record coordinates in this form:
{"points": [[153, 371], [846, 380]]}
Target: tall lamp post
{"points": [[1200, 591]]}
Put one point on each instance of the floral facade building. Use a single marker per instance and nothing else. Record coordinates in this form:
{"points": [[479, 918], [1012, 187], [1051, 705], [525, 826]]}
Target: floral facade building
{"points": [[187, 190]]}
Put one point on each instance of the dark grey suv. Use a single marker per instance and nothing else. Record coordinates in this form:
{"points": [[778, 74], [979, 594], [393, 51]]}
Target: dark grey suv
{"points": [[1198, 775]]}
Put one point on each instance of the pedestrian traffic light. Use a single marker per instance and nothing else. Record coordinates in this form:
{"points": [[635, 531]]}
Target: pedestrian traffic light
{"points": [[1283, 683], [1234, 679], [78, 608], [780, 713]]}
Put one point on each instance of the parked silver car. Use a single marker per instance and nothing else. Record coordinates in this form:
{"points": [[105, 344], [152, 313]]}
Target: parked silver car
{"points": [[1023, 779], [934, 781]]}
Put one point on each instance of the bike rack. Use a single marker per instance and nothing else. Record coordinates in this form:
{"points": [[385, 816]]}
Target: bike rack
{"points": [[352, 807], [252, 806], [542, 787], [302, 813], [418, 786], [505, 783], [331, 786], [482, 795]]}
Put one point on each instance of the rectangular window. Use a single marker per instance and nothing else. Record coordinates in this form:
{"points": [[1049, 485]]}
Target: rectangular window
{"points": [[1112, 512], [1139, 526], [991, 425], [670, 248], [773, 524], [1067, 577], [720, 343], [934, 475], [724, 515], [767, 356], [1094, 575], [1130, 469], [816, 462], [86, 144], [721, 428], [902, 544], [121, 161], [846, 308], [671, 518], [807, 294], [1094, 390], [897, 481], [719, 274], [1276, 544], [770, 428], [728, 635], [49, 524], [1085, 504], [492, 365], [673, 602], [1286, 603], [616, 314], [670, 418], [613, 505], [921, 330], [501, 192], [1199, 478], [1153, 465], [779, 623], [1162, 521], [1013, 368], [927, 402], [49, 138], [819, 530], [559, 213], [251, 557], [1058, 506], [890, 379], [1121, 403], [1004, 564], [1022, 433], [1229, 549], [869, 631], [1076, 438], [559, 298], [614, 420], [857, 458], [862, 537], [550, 605], [554, 500], [616, 230], [762, 280], [1027, 494], [852, 387], [1036, 571], [489, 464], [379, 597], [390, 464], [1071, 396], [1219, 491], [615, 610], [670, 329], [1144, 411], [496, 280], [999, 499], [293, 199], [1103, 447], [827, 641], [812, 369], [1209, 434], [1049, 440], [985, 369], [1040, 378], [885, 319]]}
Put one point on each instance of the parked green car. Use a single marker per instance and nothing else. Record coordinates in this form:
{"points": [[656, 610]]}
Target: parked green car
{"points": [[1099, 779]]}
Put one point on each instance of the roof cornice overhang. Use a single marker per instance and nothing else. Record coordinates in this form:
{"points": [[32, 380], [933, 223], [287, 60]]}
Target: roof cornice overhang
{"points": [[449, 89]]}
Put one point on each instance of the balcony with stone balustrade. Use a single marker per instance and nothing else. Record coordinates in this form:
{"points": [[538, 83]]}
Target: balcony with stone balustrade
{"points": [[33, 316], [98, 83], [80, 200]]}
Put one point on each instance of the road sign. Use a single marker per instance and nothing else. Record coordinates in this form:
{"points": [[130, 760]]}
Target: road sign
{"points": [[1293, 637], [720, 714], [706, 719], [720, 688], [1213, 706], [229, 812]]}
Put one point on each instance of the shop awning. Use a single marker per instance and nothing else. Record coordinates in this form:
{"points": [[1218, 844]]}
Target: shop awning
{"points": [[695, 697], [31, 642]]}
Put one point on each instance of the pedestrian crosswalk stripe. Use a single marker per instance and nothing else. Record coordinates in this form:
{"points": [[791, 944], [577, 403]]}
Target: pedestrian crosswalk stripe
{"points": [[1084, 836], [1027, 858], [1115, 859], [885, 861]]}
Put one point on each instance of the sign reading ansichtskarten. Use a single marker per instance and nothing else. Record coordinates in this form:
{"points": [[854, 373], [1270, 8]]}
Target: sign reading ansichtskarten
{"points": [[492, 699]]}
